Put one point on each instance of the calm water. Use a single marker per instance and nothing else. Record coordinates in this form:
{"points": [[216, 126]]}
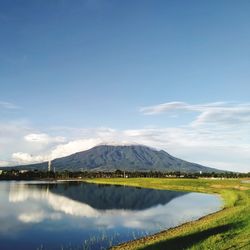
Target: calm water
{"points": [[71, 215]]}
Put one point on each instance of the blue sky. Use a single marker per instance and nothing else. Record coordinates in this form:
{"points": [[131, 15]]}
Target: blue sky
{"points": [[70, 70]]}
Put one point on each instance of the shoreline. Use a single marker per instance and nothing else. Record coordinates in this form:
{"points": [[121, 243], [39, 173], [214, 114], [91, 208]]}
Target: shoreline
{"points": [[184, 235], [166, 231], [169, 230], [228, 228]]}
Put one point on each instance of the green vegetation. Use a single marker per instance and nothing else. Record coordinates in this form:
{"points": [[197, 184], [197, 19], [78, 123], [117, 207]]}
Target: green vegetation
{"points": [[226, 229], [15, 174]]}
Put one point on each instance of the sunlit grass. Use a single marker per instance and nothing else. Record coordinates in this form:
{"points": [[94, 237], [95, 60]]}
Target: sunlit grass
{"points": [[226, 229]]}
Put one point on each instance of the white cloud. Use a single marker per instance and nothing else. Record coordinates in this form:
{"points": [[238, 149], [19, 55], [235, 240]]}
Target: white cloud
{"points": [[74, 146], [63, 149], [43, 138], [218, 147], [218, 137], [23, 158], [11, 138]]}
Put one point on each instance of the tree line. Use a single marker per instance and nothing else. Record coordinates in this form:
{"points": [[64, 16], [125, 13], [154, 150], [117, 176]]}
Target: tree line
{"points": [[14, 174]]}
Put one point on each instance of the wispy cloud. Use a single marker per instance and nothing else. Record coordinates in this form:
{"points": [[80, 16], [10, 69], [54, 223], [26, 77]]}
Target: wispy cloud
{"points": [[8, 105], [213, 113], [228, 114], [173, 106]]}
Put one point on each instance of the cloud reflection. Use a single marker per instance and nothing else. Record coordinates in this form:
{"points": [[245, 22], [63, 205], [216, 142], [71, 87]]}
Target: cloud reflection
{"points": [[39, 205]]}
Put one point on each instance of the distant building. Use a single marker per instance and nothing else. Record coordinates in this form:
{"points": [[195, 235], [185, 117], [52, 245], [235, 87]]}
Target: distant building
{"points": [[23, 171]]}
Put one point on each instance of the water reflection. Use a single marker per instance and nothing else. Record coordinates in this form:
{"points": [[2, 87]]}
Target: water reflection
{"points": [[73, 213], [112, 197]]}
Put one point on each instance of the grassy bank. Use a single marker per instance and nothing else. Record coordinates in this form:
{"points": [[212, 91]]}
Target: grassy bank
{"points": [[226, 229]]}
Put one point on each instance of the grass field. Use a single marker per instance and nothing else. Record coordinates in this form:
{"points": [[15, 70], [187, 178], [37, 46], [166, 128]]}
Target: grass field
{"points": [[226, 229]]}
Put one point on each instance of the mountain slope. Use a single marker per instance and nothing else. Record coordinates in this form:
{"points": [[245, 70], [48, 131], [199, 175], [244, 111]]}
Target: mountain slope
{"points": [[129, 158]]}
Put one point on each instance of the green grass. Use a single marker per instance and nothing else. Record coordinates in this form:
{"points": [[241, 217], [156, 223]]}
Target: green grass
{"points": [[226, 229]]}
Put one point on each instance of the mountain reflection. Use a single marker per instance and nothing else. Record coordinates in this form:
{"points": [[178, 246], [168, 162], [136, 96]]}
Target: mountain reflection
{"points": [[104, 205], [75, 212], [112, 197]]}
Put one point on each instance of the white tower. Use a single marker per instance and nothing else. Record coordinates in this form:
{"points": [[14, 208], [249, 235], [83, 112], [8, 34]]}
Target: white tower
{"points": [[49, 165]]}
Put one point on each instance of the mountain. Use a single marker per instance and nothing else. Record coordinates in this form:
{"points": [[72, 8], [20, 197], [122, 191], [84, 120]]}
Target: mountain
{"points": [[128, 158]]}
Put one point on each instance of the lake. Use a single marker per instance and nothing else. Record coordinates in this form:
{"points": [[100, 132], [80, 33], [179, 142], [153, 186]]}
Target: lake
{"points": [[78, 215]]}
